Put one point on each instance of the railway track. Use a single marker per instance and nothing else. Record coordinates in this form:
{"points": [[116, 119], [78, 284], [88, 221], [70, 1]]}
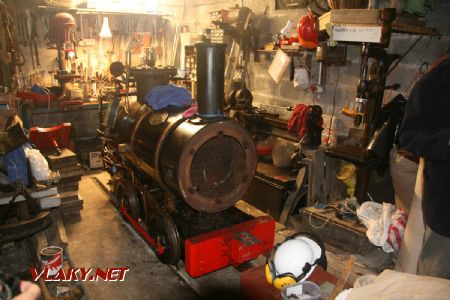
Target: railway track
{"points": [[226, 279]]}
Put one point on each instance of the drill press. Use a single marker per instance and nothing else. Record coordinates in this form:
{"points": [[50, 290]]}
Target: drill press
{"points": [[378, 123], [61, 28]]}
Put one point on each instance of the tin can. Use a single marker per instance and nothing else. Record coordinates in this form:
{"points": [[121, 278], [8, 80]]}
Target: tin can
{"points": [[52, 258]]}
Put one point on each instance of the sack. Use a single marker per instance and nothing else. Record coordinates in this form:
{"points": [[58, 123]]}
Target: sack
{"points": [[396, 230], [301, 78], [38, 163], [385, 225]]}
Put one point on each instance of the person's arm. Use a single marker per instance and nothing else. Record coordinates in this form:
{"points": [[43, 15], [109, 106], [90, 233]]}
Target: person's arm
{"points": [[422, 132], [28, 291]]}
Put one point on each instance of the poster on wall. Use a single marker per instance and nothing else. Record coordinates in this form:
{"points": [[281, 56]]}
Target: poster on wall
{"points": [[290, 4]]}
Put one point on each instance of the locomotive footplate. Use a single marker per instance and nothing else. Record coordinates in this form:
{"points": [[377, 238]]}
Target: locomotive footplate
{"points": [[232, 245], [206, 242], [214, 241]]}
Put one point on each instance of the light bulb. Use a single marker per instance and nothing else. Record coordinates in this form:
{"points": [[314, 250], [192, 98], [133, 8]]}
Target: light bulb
{"points": [[105, 32]]}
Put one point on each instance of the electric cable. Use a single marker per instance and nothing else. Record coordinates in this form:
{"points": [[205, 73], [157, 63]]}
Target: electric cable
{"points": [[335, 206], [404, 55], [425, 51]]}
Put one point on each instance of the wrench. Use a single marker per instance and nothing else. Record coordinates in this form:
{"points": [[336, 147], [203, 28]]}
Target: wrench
{"points": [[35, 37], [24, 29], [27, 18]]}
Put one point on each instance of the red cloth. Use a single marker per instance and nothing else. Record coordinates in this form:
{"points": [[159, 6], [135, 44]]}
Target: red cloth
{"points": [[299, 120]]}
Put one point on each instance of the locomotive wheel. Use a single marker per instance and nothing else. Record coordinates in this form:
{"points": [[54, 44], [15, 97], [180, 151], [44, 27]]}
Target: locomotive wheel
{"points": [[126, 197], [162, 229]]}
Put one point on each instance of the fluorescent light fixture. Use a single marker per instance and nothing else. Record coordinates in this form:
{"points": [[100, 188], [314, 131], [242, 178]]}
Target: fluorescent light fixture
{"points": [[105, 32]]}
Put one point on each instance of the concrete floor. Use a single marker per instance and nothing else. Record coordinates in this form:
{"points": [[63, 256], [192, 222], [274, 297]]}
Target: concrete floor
{"points": [[100, 238]]}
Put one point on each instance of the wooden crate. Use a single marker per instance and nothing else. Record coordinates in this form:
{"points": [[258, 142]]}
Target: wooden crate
{"points": [[349, 16], [344, 234], [323, 187]]}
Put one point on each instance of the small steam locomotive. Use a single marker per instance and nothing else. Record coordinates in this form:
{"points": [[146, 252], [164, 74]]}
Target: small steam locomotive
{"points": [[177, 176]]}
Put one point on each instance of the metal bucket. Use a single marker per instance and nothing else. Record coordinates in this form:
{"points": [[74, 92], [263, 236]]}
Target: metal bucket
{"points": [[305, 290]]}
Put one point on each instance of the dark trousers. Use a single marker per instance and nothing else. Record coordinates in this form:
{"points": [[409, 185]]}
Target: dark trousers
{"points": [[434, 259]]}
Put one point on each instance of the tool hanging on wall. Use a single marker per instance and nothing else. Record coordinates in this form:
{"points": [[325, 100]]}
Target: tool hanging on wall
{"points": [[28, 29], [25, 29], [13, 56], [292, 68], [44, 21], [80, 27], [19, 28], [35, 38]]}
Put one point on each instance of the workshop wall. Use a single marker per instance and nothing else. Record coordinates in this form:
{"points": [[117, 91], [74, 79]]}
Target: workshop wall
{"points": [[100, 54], [277, 97], [47, 56], [195, 14]]}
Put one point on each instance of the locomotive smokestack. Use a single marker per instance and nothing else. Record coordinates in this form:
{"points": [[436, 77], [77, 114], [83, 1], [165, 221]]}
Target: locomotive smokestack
{"points": [[210, 79]]}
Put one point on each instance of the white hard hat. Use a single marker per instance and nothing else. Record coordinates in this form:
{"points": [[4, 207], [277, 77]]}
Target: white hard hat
{"points": [[293, 255], [295, 259]]}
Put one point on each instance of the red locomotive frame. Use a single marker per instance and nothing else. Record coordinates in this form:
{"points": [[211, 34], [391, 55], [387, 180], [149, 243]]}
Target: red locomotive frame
{"points": [[214, 250]]}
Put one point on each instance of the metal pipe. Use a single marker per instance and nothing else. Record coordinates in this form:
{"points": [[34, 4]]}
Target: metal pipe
{"points": [[210, 79]]}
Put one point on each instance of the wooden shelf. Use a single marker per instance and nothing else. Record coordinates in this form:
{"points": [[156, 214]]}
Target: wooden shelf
{"points": [[88, 11], [291, 52], [419, 30], [354, 18]]}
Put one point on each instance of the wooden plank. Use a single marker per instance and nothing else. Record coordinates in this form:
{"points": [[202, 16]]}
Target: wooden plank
{"points": [[343, 278], [316, 176], [69, 169], [322, 183], [405, 28], [70, 179], [6, 197], [61, 165], [68, 194], [49, 202], [73, 203], [67, 199], [73, 206], [66, 156], [67, 187], [74, 172]]}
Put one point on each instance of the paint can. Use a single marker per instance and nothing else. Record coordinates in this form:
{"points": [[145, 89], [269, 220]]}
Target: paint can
{"points": [[52, 258]]}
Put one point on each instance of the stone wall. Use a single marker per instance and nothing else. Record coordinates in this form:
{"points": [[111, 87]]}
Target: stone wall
{"points": [[278, 97], [171, 8]]}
